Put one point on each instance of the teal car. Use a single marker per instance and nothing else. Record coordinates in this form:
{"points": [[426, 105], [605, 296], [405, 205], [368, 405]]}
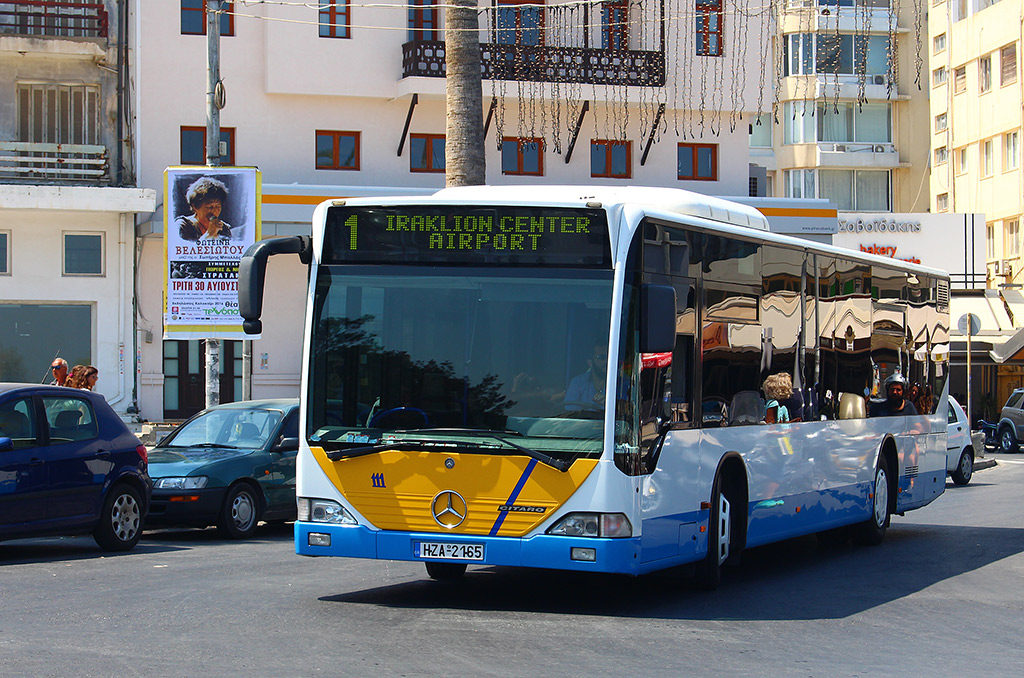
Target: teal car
{"points": [[232, 466]]}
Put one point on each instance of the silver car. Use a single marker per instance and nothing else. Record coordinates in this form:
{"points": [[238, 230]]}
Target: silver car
{"points": [[959, 448], [1011, 422]]}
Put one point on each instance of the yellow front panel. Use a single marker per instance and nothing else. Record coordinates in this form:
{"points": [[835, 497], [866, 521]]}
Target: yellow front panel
{"points": [[395, 489]]}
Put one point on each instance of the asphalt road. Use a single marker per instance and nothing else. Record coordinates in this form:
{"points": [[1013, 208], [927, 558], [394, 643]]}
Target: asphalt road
{"points": [[942, 596]]}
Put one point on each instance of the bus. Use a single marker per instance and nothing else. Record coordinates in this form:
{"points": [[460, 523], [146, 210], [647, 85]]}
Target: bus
{"points": [[578, 378]]}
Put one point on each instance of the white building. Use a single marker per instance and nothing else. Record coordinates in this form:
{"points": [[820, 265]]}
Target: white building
{"points": [[348, 99], [67, 196]]}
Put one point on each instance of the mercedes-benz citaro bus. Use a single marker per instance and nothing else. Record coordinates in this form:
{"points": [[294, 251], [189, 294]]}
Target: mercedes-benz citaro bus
{"points": [[602, 379]]}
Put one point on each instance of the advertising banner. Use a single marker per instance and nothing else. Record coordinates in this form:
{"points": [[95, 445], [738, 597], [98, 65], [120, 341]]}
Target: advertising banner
{"points": [[211, 215]]}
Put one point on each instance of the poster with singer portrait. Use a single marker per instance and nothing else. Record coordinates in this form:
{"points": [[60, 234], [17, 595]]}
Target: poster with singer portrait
{"points": [[211, 216]]}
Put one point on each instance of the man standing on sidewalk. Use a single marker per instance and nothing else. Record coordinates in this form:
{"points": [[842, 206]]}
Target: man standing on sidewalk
{"points": [[59, 367]]}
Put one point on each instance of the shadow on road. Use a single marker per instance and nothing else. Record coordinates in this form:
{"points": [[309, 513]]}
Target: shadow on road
{"points": [[50, 549], [792, 580]]}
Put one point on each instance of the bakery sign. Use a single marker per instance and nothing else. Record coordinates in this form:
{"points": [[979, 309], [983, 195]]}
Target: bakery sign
{"points": [[952, 242]]}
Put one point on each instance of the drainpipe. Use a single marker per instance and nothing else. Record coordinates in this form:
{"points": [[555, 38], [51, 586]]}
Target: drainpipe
{"points": [[123, 270]]}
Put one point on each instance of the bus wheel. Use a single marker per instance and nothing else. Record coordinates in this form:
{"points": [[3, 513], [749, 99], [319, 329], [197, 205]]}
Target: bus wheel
{"points": [[445, 571], [708, 572], [872, 531]]}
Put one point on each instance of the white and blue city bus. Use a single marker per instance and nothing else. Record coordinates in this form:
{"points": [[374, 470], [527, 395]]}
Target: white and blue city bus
{"points": [[574, 378]]}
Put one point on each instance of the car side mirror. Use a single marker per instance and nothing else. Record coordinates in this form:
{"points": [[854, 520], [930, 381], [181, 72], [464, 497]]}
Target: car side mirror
{"points": [[6, 444], [286, 445]]}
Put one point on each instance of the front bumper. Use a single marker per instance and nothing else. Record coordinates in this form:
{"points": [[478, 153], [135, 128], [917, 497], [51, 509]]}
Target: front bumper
{"points": [[185, 507], [357, 541]]}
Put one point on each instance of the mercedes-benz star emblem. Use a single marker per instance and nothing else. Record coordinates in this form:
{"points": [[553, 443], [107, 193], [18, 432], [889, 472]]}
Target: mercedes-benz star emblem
{"points": [[448, 509]]}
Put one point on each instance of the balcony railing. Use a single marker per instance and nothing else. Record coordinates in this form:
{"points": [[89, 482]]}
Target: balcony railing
{"points": [[58, 19], [23, 161], [425, 58]]}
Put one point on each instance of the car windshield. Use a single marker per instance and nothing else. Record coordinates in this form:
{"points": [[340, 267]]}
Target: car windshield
{"points": [[459, 355], [229, 427]]}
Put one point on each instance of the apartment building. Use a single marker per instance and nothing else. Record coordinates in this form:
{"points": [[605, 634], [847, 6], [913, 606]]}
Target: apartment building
{"points": [[848, 111], [68, 200], [332, 99], [976, 125]]}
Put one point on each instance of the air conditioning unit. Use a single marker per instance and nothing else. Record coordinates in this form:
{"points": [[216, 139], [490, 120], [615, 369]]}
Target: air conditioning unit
{"points": [[1003, 267], [877, 79], [997, 268], [839, 148], [879, 148]]}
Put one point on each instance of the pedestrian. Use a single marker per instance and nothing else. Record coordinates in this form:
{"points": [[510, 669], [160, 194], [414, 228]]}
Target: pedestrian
{"points": [[83, 377], [59, 367]]}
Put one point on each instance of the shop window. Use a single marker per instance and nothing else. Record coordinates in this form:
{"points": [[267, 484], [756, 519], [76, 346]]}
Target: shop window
{"points": [[30, 341]]}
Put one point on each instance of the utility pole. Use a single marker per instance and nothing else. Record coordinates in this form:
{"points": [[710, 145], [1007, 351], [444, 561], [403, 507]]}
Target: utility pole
{"points": [[212, 160]]}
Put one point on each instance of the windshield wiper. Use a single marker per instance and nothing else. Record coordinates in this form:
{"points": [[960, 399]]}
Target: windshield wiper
{"points": [[228, 447], [407, 444]]}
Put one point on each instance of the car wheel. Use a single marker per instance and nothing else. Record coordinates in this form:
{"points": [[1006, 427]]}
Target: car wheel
{"points": [[964, 469], [445, 571], [1007, 441], [120, 526], [240, 513], [872, 531], [708, 572]]}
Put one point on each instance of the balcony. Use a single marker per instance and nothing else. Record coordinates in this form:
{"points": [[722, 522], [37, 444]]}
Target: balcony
{"points": [[30, 162], [644, 68], [55, 19]]}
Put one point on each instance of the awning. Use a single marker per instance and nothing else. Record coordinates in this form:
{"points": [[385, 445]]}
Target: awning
{"points": [[996, 326], [1011, 349], [1015, 304]]}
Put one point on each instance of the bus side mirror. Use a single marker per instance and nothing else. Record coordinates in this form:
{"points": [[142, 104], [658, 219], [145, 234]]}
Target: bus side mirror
{"points": [[252, 271], [657, 318]]}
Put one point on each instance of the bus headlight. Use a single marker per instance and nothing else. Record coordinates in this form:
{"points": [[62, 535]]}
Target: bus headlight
{"points": [[323, 511], [609, 525]]}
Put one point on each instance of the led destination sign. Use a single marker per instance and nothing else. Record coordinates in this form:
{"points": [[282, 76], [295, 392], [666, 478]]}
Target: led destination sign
{"points": [[516, 236]]}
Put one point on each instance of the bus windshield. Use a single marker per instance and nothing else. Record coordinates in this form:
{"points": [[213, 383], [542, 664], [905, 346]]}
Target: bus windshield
{"points": [[467, 357]]}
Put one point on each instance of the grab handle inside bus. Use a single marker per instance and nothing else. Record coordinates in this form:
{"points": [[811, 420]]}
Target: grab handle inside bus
{"points": [[657, 318], [252, 271]]}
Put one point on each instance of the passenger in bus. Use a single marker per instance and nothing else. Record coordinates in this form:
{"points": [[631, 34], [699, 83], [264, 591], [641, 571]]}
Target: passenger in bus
{"points": [[777, 388], [588, 388], [895, 402]]}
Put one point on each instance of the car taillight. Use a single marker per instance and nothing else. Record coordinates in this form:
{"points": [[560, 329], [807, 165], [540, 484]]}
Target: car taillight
{"points": [[143, 452]]}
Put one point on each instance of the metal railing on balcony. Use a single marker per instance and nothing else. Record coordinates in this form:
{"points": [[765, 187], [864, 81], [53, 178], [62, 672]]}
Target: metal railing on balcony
{"points": [[539, 63], [50, 18], [24, 161]]}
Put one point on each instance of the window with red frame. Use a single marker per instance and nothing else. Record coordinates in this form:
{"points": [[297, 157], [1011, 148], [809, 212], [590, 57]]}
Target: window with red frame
{"points": [[334, 19], [697, 162], [337, 150], [193, 17], [426, 152], [423, 15], [193, 145], [615, 24], [519, 22], [611, 159], [522, 156], [709, 27]]}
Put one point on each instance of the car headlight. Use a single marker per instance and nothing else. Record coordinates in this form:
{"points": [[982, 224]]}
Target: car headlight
{"points": [[181, 483], [609, 525], [323, 511]]}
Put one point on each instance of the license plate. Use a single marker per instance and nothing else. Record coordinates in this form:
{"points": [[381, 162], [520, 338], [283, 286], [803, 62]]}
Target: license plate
{"points": [[447, 551]]}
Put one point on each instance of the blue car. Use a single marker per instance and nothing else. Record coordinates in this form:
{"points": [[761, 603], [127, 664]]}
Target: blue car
{"points": [[69, 466], [232, 466]]}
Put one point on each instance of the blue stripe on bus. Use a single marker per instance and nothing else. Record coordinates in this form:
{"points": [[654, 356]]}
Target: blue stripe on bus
{"points": [[512, 497]]}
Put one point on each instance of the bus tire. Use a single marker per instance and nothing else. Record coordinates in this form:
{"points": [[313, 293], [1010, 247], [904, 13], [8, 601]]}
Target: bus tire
{"points": [[445, 571], [240, 513], [708, 572], [872, 531]]}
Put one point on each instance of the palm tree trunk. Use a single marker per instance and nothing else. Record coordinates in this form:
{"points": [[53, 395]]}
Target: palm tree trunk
{"points": [[465, 164]]}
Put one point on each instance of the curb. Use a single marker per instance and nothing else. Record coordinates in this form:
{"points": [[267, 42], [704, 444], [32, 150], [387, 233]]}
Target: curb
{"points": [[982, 464]]}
